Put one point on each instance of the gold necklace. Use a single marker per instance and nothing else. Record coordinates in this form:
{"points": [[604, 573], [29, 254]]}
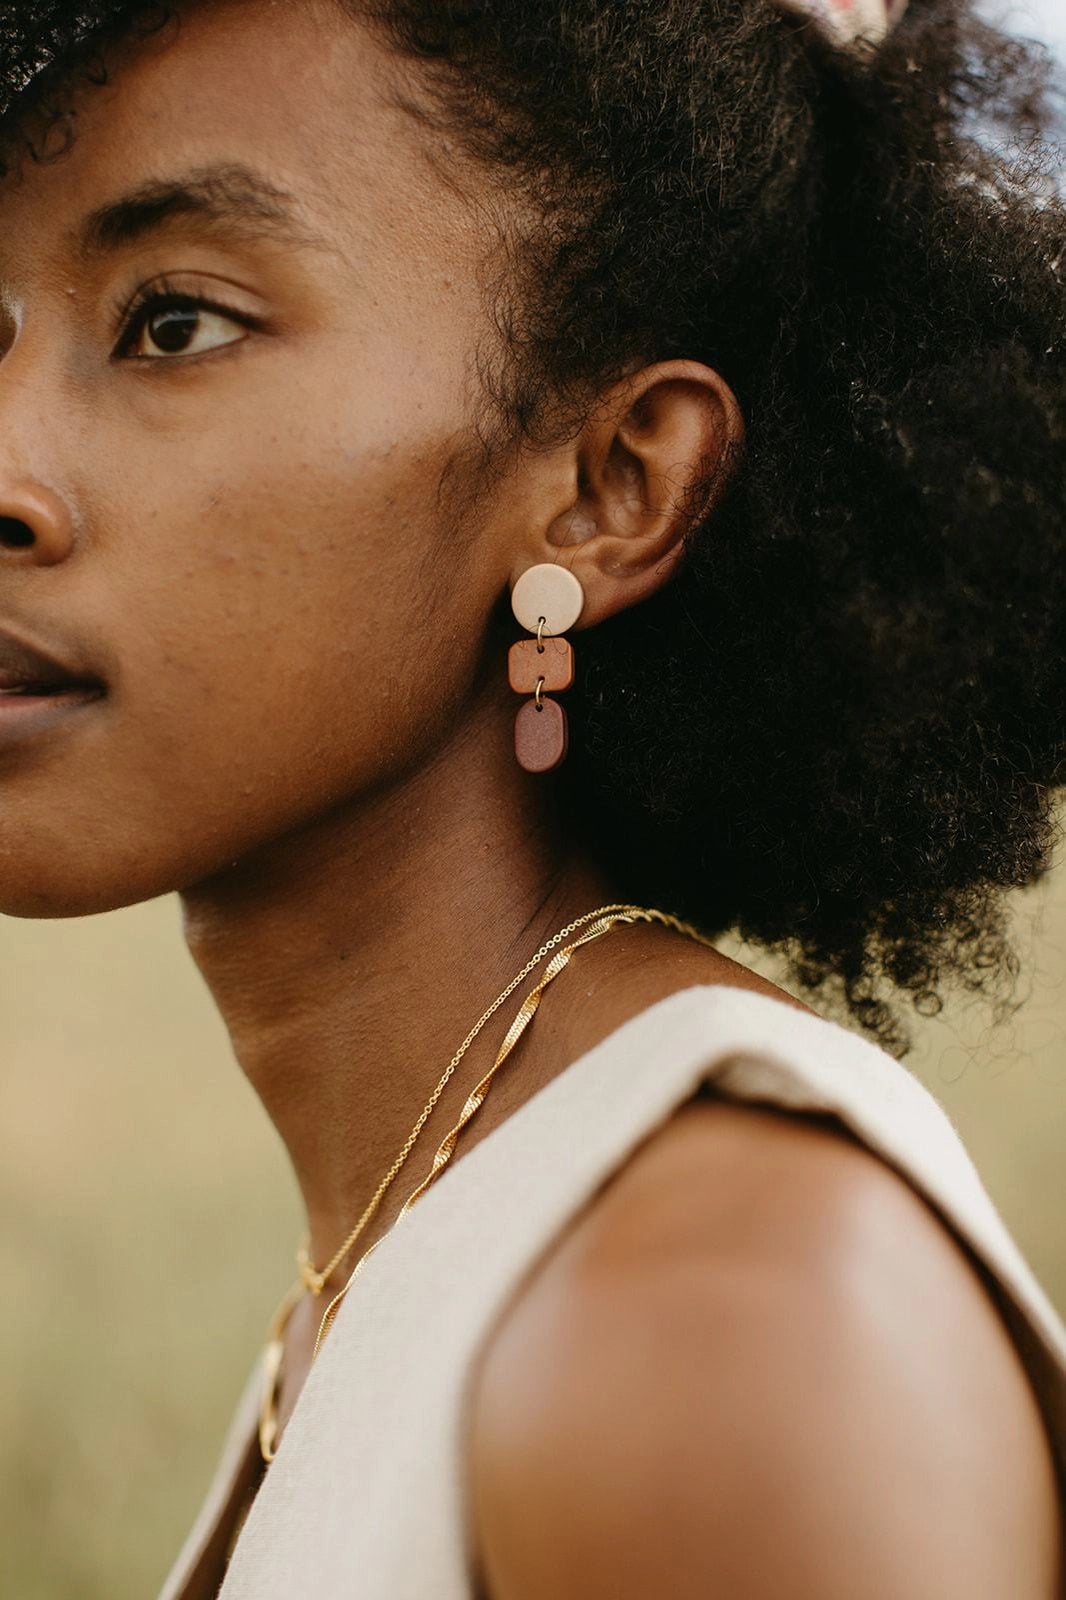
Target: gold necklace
{"points": [[310, 1279]]}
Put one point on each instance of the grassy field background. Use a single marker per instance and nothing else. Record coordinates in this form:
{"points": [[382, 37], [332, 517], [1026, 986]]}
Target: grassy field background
{"points": [[149, 1219]]}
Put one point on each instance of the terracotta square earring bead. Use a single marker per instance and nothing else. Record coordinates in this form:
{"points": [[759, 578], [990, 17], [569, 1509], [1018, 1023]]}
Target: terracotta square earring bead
{"points": [[552, 661]]}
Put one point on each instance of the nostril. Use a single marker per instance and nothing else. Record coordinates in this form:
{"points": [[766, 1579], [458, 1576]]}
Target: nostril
{"points": [[14, 535]]}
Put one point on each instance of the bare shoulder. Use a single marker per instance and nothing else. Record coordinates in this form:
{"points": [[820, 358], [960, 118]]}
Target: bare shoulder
{"points": [[759, 1363]]}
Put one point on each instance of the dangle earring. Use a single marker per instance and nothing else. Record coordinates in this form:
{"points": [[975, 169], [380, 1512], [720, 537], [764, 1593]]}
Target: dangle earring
{"points": [[547, 599]]}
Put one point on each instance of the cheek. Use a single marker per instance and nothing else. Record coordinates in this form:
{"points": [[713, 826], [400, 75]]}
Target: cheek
{"points": [[274, 636]]}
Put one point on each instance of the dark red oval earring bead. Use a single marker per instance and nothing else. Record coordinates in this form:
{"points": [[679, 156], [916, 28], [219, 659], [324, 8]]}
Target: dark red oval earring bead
{"points": [[540, 735]]}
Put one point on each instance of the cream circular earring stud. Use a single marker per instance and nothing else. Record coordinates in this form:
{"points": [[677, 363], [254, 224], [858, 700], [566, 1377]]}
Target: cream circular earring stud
{"points": [[549, 594], [546, 600]]}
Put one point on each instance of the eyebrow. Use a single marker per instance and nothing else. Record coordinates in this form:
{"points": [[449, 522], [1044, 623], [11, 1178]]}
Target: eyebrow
{"points": [[228, 196]]}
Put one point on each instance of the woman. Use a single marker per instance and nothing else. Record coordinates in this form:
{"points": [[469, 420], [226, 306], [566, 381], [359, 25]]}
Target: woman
{"points": [[698, 352]]}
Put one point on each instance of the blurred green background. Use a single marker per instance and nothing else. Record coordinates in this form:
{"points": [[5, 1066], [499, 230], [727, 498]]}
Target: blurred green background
{"points": [[149, 1220]]}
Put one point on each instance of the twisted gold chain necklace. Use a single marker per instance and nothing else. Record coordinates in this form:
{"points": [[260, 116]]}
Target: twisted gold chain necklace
{"points": [[310, 1280]]}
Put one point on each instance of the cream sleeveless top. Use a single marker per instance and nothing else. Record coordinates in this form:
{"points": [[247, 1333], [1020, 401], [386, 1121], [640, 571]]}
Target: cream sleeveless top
{"points": [[366, 1496]]}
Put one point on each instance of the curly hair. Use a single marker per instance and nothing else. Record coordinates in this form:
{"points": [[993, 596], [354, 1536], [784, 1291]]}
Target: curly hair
{"points": [[839, 730]]}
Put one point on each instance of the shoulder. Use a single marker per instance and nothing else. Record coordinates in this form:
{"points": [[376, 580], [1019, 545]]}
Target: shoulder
{"points": [[759, 1363]]}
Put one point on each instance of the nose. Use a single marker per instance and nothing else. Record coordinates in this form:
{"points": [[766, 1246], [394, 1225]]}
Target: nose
{"points": [[36, 525]]}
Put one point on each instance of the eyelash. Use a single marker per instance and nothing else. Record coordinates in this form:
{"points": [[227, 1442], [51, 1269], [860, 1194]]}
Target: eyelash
{"points": [[130, 317]]}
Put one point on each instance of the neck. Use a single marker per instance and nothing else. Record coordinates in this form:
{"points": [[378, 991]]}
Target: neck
{"points": [[350, 959]]}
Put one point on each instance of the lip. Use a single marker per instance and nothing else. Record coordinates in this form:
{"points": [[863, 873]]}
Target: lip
{"points": [[26, 666], [39, 690], [23, 716]]}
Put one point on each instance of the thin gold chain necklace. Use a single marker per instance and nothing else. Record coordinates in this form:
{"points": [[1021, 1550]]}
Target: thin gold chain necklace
{"points": [[311, 1280]]}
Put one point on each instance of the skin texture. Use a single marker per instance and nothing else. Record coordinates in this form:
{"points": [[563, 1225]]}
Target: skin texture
{"points": [[264, 551], [726, 1381]]}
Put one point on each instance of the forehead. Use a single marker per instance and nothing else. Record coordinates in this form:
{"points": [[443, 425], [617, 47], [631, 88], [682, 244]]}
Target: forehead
{"points": [[301, 94]]}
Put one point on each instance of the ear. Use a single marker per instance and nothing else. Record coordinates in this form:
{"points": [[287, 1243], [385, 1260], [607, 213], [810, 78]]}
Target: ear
{"points": [[657, 436]]}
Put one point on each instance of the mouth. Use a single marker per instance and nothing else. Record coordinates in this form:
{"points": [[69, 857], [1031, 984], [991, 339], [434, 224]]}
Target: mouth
{"points": [[38, 692], [29, 711], [27, 671], [78, 688]]}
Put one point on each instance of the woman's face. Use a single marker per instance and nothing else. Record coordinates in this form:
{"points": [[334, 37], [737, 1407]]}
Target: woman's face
{"points": [[237, 511]]}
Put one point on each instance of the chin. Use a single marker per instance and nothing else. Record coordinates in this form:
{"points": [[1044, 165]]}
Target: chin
{"points": [[50, 892], [53, 902]]}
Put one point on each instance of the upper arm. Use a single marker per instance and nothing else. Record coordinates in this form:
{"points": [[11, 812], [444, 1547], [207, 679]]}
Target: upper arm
{"points": [[834, 1416]]}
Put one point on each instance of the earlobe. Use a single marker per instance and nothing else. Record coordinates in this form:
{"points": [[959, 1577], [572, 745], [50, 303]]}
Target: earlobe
{"points": [[652, 461]]}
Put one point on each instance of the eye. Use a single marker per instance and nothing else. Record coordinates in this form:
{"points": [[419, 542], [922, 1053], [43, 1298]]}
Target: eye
{"points": [[176, 324]]}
